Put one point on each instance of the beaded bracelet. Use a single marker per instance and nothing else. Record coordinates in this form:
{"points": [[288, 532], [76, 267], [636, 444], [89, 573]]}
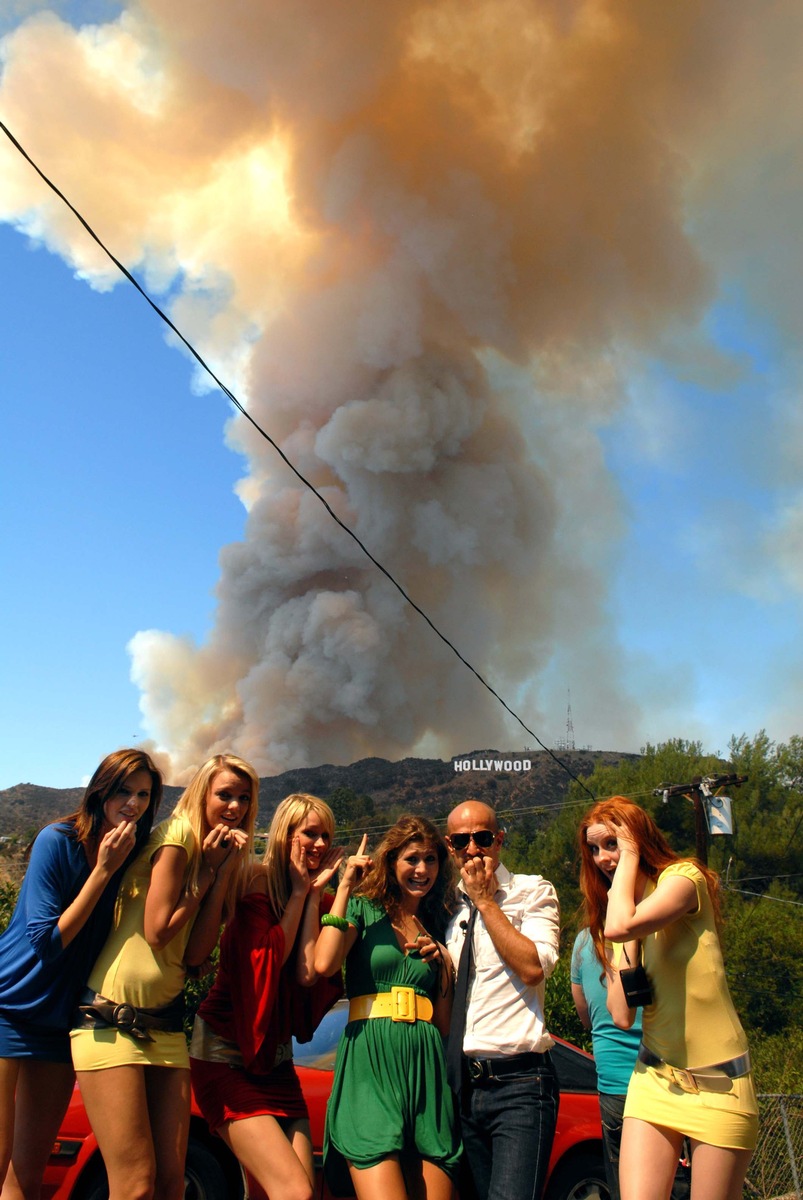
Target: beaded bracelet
{"points": [[335, 922]]}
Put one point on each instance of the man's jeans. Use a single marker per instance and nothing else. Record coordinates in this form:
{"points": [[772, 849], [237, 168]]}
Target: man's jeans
{"points": [[508, 1126], [611, 1109]]}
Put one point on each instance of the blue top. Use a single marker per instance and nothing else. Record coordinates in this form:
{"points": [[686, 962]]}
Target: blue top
{"points": [[614, 1049], [40, 980]]}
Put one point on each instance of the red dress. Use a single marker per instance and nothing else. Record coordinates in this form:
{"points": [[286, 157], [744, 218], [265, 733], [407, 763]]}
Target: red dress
{"points": [[240, 1052]]}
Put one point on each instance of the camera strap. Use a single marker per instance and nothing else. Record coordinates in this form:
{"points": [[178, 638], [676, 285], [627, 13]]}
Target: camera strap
{"points": [[638, 956]]}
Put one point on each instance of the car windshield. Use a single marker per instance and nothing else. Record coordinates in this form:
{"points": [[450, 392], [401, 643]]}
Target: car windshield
{"points": [[320, 1052]]}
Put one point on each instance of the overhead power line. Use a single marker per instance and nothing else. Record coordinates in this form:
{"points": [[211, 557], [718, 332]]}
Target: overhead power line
{"points": [[763, 896], [302, 479]]}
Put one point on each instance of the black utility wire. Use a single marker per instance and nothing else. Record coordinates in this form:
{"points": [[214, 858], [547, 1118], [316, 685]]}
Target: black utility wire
{"points": [[240, 408]]}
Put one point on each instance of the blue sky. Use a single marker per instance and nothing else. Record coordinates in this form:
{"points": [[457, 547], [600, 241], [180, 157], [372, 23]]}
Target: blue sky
{"points": [[118, 494], [649, 510]]}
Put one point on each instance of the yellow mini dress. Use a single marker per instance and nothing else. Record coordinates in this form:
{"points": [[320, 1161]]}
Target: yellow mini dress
{"points": [[692, 1024], [129, 971]]}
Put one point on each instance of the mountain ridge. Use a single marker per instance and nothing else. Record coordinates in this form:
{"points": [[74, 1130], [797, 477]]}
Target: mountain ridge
{"points": [[429, 785]]}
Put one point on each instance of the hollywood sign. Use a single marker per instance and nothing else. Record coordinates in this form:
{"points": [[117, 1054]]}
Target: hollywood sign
{"points": [[492, 764]]}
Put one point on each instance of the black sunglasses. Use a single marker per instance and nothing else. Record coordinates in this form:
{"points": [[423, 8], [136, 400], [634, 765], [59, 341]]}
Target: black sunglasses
{"points": [[482, 838]]}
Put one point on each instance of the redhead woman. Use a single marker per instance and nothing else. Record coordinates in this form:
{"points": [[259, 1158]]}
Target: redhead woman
{"points": [[128, 1046], [266, 992], [692, 1077], [390, 1116], [60, 922]]}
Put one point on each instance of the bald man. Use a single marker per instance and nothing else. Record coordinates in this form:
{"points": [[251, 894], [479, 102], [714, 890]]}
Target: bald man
{"points": [[504, 1079]]}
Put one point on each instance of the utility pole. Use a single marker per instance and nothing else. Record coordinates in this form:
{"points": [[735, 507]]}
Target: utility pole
{"points": [[698, 791]]}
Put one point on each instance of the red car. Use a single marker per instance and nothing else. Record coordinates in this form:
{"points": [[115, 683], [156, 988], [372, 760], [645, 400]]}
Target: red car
{"points": [[576, 1172]]}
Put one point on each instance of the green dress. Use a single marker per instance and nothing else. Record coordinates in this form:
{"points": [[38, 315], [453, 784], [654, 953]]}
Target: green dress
{"points": [[390, 1094]]}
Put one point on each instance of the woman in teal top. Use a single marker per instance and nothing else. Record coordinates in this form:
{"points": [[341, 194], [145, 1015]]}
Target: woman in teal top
{"points": [[391, 1116]]}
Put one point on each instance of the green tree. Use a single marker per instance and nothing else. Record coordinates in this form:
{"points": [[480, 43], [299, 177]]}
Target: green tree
{"points": [[763, 947], [559, 1011], [8, 898], [351, 811], [768, 811]]}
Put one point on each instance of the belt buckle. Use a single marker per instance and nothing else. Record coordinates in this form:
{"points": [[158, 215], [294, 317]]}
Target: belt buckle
{"points": [[124, 1017], [284, 1053], [683, 1079], [477, 1070], [402, 1001]]}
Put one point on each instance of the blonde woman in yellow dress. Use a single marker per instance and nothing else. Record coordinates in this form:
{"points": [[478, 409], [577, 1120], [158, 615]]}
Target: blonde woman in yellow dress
{"points": [[692, 1078], [128, 1047]]}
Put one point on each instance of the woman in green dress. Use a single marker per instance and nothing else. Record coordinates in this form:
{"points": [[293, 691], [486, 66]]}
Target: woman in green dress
{"points": [[391, 1117]]}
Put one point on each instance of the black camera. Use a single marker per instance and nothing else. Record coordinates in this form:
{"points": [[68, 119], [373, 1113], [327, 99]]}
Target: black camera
{"points": [[636, 986]]}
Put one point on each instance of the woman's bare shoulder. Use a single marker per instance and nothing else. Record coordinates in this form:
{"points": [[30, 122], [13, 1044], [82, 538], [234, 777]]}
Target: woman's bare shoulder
{"points": [[257, 881]]}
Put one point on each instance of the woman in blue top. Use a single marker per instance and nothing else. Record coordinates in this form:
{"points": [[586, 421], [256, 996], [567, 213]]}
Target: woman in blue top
{"points": [[61, 920]]}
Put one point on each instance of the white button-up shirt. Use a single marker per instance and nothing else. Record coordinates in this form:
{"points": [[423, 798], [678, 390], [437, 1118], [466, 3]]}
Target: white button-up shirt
{"points": [[506, 1016]]}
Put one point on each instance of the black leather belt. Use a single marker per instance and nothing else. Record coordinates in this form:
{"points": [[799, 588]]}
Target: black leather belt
{"points": [[96, 1012], [700, 1077], [481, 1069]]}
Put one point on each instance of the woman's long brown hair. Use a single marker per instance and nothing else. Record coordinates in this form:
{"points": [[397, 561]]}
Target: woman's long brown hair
{"points": [[109, 777], [380, 883]]}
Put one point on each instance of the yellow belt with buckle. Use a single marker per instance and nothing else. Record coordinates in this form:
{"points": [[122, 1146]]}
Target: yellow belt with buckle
{"points": [[400, 1004]]}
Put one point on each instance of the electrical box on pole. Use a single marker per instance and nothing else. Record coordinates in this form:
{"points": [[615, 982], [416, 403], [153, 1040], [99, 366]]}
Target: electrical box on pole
{"points": [[713, 814]]}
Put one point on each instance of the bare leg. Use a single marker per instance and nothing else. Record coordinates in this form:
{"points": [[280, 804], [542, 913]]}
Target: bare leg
{"points": [[649, 1159], [382, 1182], [301, 1140], [271, 1155], [426, 1181], [116, 1104], [43, 1093], [718, 1173], [168, 1093], [9, 1071]]}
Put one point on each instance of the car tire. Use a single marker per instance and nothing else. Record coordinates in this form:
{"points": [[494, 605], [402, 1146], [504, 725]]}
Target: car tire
{"points": [[204, 1177], [579, 1176]]}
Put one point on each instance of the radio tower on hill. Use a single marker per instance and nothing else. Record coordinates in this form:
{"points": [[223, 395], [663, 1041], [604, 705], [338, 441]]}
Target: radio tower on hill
{"points": [[567, 743]]}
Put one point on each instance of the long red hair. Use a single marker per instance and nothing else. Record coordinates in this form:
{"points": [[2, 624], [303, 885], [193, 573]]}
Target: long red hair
{"points": [[655, 854]]}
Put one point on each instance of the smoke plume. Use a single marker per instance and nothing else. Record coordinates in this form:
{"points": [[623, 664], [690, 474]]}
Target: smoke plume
{"points": [[426, 242]]}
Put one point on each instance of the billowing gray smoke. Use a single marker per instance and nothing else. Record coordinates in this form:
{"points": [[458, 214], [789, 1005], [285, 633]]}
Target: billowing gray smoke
{"points": [[441, 230]]}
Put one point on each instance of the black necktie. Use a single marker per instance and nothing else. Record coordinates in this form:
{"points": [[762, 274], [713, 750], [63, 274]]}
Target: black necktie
{"points": [[454, 1051]]}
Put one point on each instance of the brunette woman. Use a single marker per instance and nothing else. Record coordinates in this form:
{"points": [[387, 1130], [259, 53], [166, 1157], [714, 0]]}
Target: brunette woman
{"points": [[266, 993], [61, 920], [128, 1047], [692, 1077], [390, 1116]]}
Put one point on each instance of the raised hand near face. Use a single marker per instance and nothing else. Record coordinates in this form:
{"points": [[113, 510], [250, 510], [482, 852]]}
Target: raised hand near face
{"points": [[297, 867], [222, 846], [356, 866], [330, 861], [625, 842], [116, 845], [479, 879]]}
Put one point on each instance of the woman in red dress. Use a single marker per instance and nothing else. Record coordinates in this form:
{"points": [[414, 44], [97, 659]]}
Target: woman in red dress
{"points": [[266, 992]]}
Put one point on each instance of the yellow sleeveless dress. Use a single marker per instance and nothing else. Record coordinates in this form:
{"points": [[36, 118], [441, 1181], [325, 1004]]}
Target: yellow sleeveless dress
{"points": [[692, 1024], [130, 971]]}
